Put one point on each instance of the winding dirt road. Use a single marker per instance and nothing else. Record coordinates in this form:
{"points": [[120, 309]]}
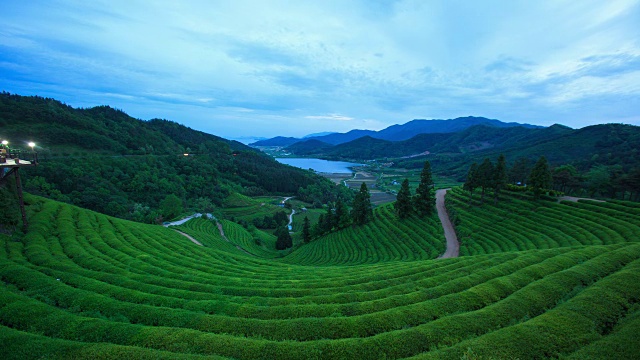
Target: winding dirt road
{"points": [[453, 246], [189, 237], [293, 212]]}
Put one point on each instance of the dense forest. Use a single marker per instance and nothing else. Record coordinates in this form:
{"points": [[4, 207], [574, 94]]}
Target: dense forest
{"points": [[103, 159]]}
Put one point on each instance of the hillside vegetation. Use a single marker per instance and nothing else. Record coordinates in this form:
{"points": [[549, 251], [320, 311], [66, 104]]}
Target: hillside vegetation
{"points": [[104, 160], [80, 284]]}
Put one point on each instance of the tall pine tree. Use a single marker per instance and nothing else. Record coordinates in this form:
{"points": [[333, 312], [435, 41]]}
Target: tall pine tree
{"points": [[485, 177], [342, 218], [362, 211], [540, 177], [403, 201], [425, 199], [284, 240], [328, 220], [471, 182], [519, 172], [500, 178], [306, 230]]}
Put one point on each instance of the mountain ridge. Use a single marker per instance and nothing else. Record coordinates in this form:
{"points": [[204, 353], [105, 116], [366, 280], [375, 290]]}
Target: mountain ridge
{"points": [[399, 132]]}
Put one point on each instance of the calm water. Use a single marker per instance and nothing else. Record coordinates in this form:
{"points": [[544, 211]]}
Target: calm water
{"points": [[319, 165]]}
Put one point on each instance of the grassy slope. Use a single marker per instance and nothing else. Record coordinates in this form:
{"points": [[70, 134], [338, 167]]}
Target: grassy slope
{"points": [[83, 285], [383, 239], [516, 223]]}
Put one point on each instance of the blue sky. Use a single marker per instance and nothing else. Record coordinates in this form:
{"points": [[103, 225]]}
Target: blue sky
{"points": [[266, 68]]}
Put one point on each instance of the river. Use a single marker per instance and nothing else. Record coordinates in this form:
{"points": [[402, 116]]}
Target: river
{"points": [[319, 165]]}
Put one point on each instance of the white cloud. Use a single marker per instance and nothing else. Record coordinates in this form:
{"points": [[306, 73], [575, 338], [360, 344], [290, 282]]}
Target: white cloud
{"points": [[278, 61], [336, 117]]}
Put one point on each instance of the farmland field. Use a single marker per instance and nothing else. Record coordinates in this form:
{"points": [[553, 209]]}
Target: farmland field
{"points": [[562, 280], [516, 223]]}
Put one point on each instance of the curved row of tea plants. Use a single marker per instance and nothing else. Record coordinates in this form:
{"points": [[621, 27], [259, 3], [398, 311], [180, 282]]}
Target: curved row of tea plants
{"points": [[238, 235], [515, 224], [385, 238], [207, 232], [83, 285]]}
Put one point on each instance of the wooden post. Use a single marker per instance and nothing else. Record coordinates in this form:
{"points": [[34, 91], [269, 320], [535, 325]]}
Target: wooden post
{"points": [[19, 189]]}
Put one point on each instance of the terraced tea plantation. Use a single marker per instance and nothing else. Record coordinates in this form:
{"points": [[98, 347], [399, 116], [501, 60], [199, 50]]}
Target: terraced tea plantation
{"points": [[83, 285], [516, 223], [381, 240]]}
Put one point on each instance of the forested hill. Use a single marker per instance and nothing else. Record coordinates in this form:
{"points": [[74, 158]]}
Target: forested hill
{"points": [[105, 160], [57, 126], [606, 144]]}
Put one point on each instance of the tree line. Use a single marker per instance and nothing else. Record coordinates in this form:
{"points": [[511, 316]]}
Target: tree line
{"points": [[599, 180], [423, 202], [340, 215]]}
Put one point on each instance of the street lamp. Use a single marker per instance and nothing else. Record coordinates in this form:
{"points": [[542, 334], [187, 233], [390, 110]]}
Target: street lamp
{"points": [[5, 142], [33, 153]]}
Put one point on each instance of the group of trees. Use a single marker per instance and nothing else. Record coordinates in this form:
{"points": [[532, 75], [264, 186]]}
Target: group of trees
{"points": [[602, 180], [279, 219], [607, 181], [496, 177], [284, 240], [324, 192], [424, 200], [487, 176], [338, 215]]}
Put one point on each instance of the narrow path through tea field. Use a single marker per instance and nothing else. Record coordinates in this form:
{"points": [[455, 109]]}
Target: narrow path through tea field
{"points": [[453, 246], [190, 238], [227, 240]]}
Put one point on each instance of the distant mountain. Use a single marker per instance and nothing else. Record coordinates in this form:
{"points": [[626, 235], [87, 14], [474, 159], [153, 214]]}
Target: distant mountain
{"points": [[276, 141], [340, 138], [363, 148], [410, 129], [399, 132], [318, 134], [367, 148], [308, 147]]}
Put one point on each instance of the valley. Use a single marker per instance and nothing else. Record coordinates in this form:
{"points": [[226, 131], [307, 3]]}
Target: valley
{"points": [[320, 180], [288, 263]]}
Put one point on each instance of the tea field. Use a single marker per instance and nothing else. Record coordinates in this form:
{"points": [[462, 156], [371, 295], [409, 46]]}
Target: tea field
{"points": [[516, 223], [561, 281]]}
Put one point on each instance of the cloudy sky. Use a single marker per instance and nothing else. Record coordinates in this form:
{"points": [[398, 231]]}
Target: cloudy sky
{"points": [[265, 68]]}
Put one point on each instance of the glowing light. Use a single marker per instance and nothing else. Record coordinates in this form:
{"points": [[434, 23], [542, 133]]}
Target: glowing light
{"points": [[5, 142], [32, 144]]}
